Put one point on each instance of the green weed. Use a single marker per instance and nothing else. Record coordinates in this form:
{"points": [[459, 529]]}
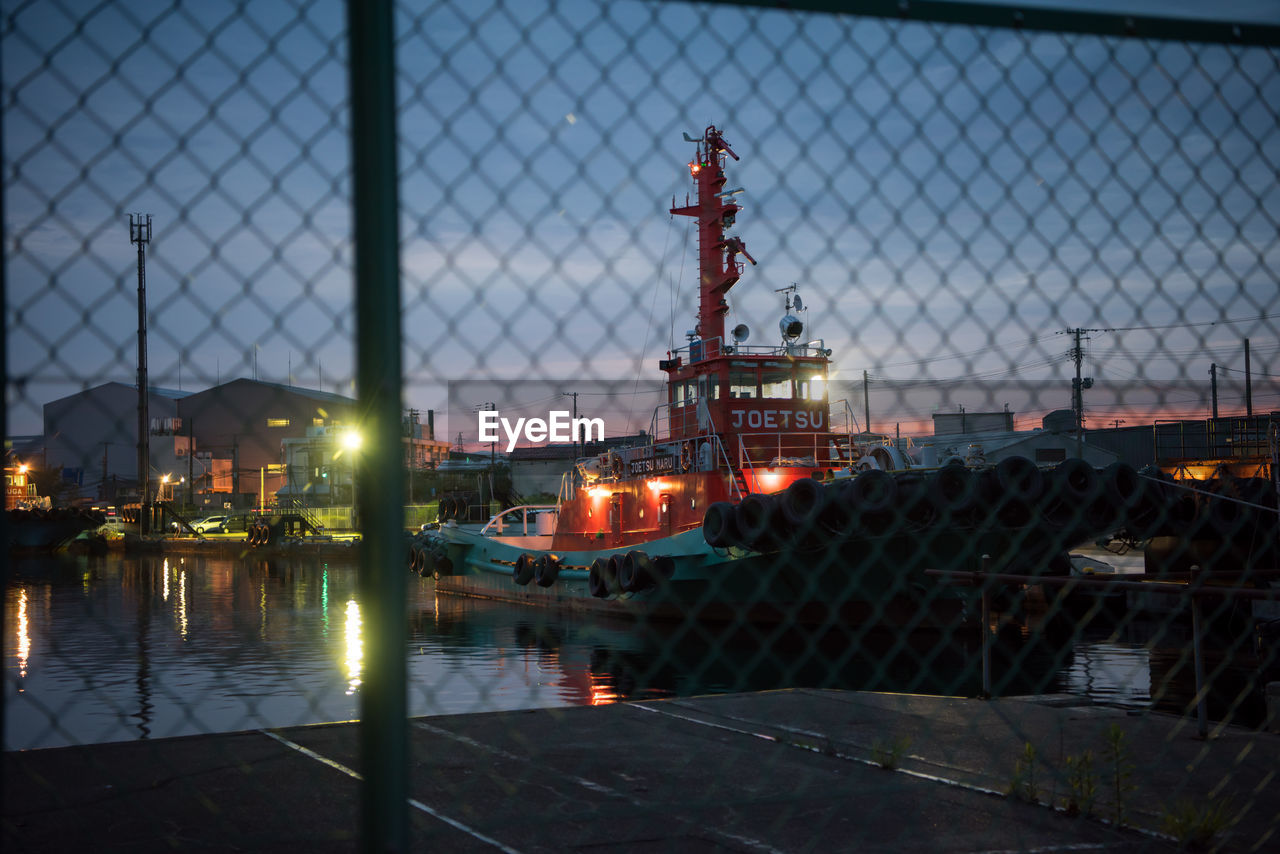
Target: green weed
{"points": [[1023, 784], [1120, 777], [888, 756], [1196, 825], [1082, 779]]}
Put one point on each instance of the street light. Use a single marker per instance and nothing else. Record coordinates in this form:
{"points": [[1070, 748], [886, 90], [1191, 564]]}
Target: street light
{"points": [[350, 441]]}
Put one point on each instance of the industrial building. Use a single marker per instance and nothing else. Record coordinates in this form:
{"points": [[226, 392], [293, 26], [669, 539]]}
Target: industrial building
{"points": [[234, 444]]}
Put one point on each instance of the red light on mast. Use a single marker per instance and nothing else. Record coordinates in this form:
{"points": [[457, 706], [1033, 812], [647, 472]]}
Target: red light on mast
{"points": [[694, 168]]}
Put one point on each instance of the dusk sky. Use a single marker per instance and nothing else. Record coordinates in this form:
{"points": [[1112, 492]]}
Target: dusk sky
{"points": [[947, 199]]}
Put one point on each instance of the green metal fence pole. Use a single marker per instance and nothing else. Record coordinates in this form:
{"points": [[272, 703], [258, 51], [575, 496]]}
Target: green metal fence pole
{"points": [[383, 708]]}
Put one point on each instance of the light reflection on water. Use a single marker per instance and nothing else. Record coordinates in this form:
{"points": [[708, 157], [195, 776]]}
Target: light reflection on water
{"points": [[110, 649], [1113, 672]]}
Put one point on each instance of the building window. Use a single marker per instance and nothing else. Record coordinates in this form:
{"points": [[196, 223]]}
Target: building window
{"points": [[277, 422], [317, 422]]}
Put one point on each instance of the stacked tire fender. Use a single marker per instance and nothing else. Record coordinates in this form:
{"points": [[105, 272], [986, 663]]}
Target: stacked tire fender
{"points": [[540, 569], [428, 557], [1222, 508], [262, 534], [628, 572], [455, 508], [1072, 501]]}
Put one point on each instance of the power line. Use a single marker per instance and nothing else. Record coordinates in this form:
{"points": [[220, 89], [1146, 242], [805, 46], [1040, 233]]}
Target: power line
{"points": [[1028, 341], [1189, 325]]}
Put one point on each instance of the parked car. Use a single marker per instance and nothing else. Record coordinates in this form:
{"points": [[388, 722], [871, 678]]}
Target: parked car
{"points": [[210, 525]]}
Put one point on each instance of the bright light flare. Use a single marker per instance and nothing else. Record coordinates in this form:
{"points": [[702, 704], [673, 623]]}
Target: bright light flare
{"points": [[768, 481], [352, 440]]}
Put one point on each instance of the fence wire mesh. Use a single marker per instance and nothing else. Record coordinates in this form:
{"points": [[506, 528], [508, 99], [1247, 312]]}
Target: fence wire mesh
{"points": [[1025, 265]]}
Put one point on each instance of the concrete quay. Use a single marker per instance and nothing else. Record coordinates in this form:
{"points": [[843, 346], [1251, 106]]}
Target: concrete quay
{"points": [[795, 770]]}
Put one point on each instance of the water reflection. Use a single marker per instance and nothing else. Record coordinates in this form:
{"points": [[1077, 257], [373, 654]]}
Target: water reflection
{"points": [[109, 648], [355, 646], [24, 636], [1116, 672]]}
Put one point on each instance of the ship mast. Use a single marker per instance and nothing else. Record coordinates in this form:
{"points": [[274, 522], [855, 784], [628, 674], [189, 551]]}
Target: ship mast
{"points": [[718, 267]]}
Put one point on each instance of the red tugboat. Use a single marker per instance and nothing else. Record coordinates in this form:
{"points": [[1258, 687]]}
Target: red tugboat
{"points": [[747, 504]]}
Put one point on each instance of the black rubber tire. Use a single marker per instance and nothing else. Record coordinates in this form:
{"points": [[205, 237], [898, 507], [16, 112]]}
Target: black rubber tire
{"points": [[522, 572], [913, 498], [718, 525], [802, 503], [597, 584], [873, 499], [613, 569], [1122, 486], [546, 569], [1073, 482], [837, 515], [1019, 479], [953, 489], [753, 518], [636, 572]]}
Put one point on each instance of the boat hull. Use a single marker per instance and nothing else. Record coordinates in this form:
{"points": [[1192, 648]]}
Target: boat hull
{"points": [[867, 581]]}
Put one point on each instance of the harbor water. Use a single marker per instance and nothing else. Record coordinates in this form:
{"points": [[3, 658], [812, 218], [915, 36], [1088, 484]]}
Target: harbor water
{"points": [[115, 648]]}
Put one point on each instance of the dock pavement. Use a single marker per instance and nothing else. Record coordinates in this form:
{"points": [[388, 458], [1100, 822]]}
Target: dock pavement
{"points": [[794, 770]]}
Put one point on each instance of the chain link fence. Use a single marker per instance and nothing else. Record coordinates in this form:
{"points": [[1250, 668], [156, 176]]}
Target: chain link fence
{"points": [[1038, 245]]}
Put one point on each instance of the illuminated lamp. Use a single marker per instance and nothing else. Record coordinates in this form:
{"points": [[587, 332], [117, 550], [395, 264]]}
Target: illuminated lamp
{"points": [[769, 481]]}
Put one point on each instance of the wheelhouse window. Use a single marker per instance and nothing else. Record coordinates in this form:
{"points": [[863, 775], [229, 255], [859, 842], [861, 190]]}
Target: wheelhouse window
{"points": [[811, 385], [775, 384], [742, 384]]}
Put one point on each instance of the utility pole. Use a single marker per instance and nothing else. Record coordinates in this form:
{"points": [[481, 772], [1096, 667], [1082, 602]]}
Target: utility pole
{"points": [[191, 462], [413, 456], [866, 404], [1079, 384], [1248, 382], [1213, 387], [140, 234]]}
